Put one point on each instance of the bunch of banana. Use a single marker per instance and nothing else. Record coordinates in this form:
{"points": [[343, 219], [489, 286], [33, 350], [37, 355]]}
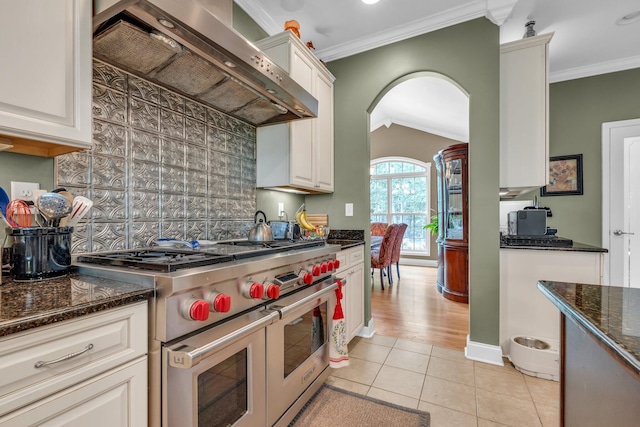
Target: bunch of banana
{"points": [[301, 217]]}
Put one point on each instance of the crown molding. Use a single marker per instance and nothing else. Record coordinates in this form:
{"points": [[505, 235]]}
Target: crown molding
{"points": [[402, 32], [259, 14], [595, 69]]}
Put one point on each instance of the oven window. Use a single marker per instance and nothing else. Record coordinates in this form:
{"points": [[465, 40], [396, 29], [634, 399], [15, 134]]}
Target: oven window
{"points": [[303, 336], [222, 392]]}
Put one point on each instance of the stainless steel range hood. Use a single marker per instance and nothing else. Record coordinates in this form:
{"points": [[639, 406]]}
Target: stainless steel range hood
{"points": [[184, 46]]}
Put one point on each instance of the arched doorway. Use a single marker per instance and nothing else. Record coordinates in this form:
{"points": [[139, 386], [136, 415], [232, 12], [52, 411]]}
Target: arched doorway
{"points": [[414, 117]]}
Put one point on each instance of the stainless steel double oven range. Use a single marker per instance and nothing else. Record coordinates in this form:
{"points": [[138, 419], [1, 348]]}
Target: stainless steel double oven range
{"points": [[238, 332]]}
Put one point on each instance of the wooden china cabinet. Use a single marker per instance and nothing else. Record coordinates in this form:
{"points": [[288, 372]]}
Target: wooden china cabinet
{"points": [[453, 222]]}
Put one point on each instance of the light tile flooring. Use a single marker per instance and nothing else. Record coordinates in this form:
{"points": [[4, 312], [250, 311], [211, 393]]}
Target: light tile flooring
{"points": [[456, 391]]}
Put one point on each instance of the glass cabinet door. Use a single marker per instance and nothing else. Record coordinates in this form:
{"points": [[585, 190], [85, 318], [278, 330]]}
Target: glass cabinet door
{"points": [[454, 204]]}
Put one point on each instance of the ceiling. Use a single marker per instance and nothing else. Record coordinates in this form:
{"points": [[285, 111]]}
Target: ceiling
{"points": [[587, 41]]}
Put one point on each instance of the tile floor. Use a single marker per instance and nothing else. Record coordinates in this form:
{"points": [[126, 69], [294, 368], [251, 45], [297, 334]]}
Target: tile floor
{"points": [[456, 391]]}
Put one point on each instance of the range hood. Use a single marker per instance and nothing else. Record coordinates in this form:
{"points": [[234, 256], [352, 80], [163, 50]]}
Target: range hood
{"points": [[184, 46]]}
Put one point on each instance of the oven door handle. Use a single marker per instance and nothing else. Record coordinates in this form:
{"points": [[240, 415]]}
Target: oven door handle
{"points": [[311, 298], [186, 357]]}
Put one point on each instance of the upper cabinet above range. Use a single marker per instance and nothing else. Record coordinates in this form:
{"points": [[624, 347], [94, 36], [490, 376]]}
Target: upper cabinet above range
{"points": [[298, 155], [524, 115], [45, 89]]}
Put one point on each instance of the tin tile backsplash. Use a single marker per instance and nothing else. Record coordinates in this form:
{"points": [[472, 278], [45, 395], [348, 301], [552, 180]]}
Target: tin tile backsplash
{"points": [[161, 165]]}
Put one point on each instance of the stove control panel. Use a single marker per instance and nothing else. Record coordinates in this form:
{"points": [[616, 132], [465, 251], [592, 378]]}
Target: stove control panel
{"points": [[218, 302], [253, 290], [196, 309]]}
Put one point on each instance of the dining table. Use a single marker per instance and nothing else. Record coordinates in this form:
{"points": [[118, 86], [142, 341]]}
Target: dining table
{"points": [[376, 241]]}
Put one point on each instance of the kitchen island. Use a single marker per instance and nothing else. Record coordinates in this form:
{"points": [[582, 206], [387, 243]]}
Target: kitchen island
{"points": [[526, 312], [600, 353]]}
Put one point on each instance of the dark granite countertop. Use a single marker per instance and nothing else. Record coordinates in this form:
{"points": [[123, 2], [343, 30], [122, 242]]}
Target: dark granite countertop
{"points": [[577, 247], [345, 243], [346, 238], [610, 313], [26, 305]]}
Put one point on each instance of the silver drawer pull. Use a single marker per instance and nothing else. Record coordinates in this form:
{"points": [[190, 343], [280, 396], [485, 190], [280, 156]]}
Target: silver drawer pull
{"points": [[41, 363]]}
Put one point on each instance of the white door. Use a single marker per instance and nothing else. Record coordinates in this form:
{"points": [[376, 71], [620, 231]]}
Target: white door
{"points": [[620, 205]]}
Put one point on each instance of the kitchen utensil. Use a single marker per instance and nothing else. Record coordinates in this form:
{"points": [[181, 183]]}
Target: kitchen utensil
{"points": [[19, 214], [260, 232], [167, 242], [81, 206], [53, 206], [40, 253], [4, 201], [65, 220]]}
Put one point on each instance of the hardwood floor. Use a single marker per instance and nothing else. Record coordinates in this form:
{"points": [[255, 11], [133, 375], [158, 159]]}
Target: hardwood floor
{"points": [[413, 309]]}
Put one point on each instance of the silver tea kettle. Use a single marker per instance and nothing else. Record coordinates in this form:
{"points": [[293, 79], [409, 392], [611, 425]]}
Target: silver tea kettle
{"points": [[260, 232]]}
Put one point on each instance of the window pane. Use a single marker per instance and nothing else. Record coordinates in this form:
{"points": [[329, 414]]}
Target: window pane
{"points": [[381, 169], [395, 167], [409, 194], [378, 189], [409, 200]]}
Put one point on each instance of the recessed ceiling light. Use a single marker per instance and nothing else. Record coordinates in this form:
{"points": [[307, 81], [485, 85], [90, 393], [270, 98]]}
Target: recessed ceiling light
{"points": [[370, 1], [629, 18]]}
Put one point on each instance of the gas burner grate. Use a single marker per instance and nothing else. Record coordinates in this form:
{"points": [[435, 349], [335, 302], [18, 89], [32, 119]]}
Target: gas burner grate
{"points": [[154, 259]]}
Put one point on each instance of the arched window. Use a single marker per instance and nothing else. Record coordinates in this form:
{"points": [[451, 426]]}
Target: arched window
{"points": [[400, 190]]}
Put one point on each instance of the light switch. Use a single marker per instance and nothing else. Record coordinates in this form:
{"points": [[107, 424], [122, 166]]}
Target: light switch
{"points": [[348, 209]]}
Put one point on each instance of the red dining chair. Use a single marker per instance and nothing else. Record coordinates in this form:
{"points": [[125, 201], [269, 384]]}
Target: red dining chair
{"points": [[378, 228], [381, 256], [395, 255]]}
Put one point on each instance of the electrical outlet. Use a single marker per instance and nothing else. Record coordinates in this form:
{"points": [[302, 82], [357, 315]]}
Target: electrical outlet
{"points": [[348, 209], [280, 209], [23, 190]]}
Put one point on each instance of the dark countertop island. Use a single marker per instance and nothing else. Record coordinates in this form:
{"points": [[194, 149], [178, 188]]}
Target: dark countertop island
{"points": [[30, 304], [600, 353], [575, 247]]}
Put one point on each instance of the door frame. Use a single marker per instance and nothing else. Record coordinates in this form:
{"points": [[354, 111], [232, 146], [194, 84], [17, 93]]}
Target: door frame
{"points": [[611, 135]]}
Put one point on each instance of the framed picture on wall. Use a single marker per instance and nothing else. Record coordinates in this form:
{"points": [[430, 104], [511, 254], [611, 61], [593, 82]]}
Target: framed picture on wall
{"points": [[565, 176]]}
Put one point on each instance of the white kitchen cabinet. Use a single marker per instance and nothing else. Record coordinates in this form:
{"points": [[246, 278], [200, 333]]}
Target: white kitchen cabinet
{"points": [[45, 89], [524, 114], [114, 398], [524, 310], [352, 269], [298, 155], [83, 357]]}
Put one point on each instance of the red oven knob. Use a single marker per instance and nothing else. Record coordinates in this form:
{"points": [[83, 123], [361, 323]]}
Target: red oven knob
{"points": [[221, 303], [254, 290], [273, 291], [331, 265], [307, 278], [315, 270], [197, 310], [324, 267], [336, 264]]}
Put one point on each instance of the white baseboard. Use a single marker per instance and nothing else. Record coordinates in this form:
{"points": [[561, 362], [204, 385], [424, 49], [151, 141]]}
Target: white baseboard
{"points": [[481, 352], [368, 331], [419, 262]]}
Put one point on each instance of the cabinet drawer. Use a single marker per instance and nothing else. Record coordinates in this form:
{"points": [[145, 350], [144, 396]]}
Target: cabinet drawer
{"points": [[356, 255], [350, 257], [342, 257], [115, 398], [110, 339]]}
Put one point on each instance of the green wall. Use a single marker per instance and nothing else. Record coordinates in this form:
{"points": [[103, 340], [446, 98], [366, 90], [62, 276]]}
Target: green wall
{"points": [[20, 167], [468, 54], [577, 109]]}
